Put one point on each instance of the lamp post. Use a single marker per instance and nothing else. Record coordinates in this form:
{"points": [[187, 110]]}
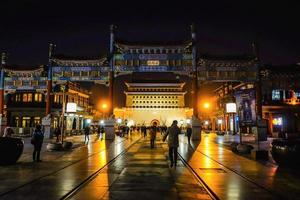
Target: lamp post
{"points": [[63, 115], [231, 110], [104, 107]]}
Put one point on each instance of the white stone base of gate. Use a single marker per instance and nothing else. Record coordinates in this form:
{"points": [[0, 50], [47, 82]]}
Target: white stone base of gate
{"points": [[196, 128], [109, 129]]}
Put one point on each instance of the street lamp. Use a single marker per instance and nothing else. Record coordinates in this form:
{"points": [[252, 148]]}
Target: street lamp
{"points": [[206, 105]]}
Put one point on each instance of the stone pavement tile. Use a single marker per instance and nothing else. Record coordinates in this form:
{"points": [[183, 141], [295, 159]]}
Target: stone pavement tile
{"points": [[143, 173], [65, 179], [103, 180], [90, 193], [193, 196], [213, 163], [143, 195]]}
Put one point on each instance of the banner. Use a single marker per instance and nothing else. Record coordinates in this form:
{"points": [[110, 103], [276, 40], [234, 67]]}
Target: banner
{"points": [[246, 103]]}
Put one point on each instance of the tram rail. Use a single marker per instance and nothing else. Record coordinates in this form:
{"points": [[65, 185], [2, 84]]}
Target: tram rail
{"points": [[55, 172]]}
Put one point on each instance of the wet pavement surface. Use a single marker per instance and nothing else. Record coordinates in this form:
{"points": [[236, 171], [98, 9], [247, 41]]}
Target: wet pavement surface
{"points": [[232, 176], [59, 172], [144, 173]]}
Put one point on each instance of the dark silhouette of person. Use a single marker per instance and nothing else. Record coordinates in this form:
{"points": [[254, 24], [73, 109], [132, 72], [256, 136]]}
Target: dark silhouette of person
{"points": [[37, 141], [153, 131], [173, 143]]}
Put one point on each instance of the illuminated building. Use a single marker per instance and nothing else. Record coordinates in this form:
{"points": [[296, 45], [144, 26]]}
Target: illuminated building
{"points": [[26, 108], [159, 102]]}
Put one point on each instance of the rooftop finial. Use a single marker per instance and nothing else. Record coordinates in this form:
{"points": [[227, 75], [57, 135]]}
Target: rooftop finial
{"points": [[112, 28], [51, 49], [255, 49], [193, 31], [193, 28]]}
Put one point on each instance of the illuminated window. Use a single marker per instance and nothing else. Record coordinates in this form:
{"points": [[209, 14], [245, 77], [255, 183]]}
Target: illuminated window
{"points": [[29, 97], [18, 97], [25, 97], [153, 62], [38, 97], [36, 120], [34, 83], [25, 121], [275, 94]]}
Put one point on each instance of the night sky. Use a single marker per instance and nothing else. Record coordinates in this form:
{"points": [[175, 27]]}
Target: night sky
{"points": [[83, 28]]}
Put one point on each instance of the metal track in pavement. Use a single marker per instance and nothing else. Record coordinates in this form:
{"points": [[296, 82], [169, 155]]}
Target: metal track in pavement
{"points": [[199, 179], [275, 194], [54, 172], [92, 176]]}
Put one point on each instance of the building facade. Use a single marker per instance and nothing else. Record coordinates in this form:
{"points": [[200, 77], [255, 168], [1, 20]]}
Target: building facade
{"points": [[154, 102], [280, 88], [25, 109]]}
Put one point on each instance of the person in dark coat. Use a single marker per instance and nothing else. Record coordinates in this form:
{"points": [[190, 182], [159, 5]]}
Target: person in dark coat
{"points": [[57, 133], [86, 134], [144, 131], [37, 141], [189, 133], [153, 131], [173, 142]]}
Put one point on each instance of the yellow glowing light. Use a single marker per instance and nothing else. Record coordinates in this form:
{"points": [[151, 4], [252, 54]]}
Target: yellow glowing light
{"points": [[104, 106], [206, 105]]}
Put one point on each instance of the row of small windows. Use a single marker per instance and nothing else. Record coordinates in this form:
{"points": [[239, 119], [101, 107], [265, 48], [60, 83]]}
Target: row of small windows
{"points": [[158, 97], [155, 106], [155, 102], [156, 90], [150, 51], [160, 63], [28, 97]]}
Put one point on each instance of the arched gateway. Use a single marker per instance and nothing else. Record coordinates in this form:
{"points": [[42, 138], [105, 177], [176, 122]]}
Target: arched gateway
{"points": [[125, 58]]}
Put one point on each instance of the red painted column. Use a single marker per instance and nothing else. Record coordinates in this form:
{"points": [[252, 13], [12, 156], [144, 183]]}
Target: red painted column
{"points": [[111, 72], [48, 98], [195, 95], [3, 62], [49, 81], [1, 101], [111, 93]]}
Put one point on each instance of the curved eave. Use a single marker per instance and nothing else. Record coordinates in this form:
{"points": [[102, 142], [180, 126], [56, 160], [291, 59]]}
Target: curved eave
{"points": [[83, 62], [35, 70]]}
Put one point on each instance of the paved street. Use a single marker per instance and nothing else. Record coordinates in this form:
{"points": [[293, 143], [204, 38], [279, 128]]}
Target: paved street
{"points": [[103, 170]]}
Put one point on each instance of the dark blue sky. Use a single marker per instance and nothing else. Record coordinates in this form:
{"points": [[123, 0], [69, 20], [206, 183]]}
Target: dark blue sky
{"points": [[83, 28]]}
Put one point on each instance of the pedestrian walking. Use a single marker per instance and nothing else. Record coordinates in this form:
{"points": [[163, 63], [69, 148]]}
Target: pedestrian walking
{"points": [[153, 131], [173, 143], [86, 134], [189, 133], [102, 132], [57, 133], [37, 142], [144, 131]]}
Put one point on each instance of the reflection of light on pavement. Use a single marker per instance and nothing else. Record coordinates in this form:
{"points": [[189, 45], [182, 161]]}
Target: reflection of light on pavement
{"points": [[234, 189], [118, 148], [103, 159]]}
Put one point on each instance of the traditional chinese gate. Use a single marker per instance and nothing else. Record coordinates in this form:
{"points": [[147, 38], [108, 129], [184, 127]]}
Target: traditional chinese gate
{"points": [[126, 58]]}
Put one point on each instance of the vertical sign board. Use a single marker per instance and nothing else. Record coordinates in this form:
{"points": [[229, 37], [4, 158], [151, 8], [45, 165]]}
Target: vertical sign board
{"points": [[245, 102]]}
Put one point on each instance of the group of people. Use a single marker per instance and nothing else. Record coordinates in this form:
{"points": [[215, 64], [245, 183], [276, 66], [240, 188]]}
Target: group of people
{"points": [[172, 134], [88, 130]]}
